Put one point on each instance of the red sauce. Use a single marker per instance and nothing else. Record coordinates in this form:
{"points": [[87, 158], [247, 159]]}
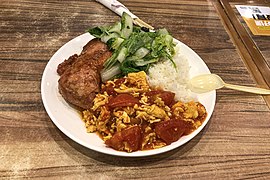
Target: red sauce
{"points": [[137, 130]]}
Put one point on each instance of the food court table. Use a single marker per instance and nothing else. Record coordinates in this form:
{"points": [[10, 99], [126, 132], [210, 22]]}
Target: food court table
{"points": [[235, 144]]}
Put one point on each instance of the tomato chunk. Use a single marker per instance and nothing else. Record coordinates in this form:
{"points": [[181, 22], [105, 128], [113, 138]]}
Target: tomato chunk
{"points": [[109, 89], [133, 137], [116, 142], [123, 100], [166, 96], [170, 130], [130, 136]]}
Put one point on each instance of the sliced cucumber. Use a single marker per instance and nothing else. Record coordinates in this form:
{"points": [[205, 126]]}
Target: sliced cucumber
{"points": [[126, 25], [117, 42], [107, 74], [163, 31], [140, 53], [143, 62], [116, 28], [108, 37], [123, 53], [133, 49]]}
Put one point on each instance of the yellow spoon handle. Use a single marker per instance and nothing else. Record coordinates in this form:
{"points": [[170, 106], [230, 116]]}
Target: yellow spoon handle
{"points": [[254, 90]]}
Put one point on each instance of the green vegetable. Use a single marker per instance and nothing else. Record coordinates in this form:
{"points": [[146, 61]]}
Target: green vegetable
{"points": [[97, 31], [123, 53], [130, 66], [105, 38], [126, 25], [134, 48], [140, 53], [114, 43], [116, 28], [109, 73]]}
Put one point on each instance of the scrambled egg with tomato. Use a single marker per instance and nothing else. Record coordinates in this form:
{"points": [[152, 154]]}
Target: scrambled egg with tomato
{"points": [[129, 115]]}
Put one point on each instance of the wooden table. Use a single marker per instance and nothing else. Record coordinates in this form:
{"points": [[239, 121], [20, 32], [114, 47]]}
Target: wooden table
{"points": [[235, 144], [254, 49]]}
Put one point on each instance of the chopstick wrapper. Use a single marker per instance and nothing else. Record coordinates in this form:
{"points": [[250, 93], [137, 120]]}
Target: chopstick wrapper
{"points": [[116, 7]]}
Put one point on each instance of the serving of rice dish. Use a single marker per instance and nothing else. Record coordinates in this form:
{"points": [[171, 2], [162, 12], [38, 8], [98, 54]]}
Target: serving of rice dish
{"points": [[167, 77]]}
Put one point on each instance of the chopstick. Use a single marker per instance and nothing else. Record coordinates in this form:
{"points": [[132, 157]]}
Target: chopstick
{"points": [[119, 8], [141, 23]]}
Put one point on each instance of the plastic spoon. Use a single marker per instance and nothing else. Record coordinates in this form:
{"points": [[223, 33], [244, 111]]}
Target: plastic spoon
{"points": [[208, 82]]}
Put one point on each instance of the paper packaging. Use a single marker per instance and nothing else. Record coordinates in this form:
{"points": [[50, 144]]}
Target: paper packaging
{"points": [[257, 18], [116, 7]]}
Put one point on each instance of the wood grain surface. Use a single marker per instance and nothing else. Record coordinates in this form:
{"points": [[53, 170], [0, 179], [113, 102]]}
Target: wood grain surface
{"points": [[235, 144]]}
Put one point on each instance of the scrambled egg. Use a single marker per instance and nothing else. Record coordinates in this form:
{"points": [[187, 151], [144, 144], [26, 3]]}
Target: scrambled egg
{"points": [[151, 113], [100, 100], [108, 121], [137, 81]]}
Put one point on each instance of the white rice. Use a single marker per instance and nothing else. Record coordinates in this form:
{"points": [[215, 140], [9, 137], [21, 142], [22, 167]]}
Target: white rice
{"points": [[165, 76]]}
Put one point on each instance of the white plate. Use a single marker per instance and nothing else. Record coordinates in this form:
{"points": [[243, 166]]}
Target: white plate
{"points": [[68, 119]]}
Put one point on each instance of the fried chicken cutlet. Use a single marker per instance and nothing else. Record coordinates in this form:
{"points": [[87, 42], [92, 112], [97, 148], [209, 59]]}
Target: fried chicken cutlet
{"points": [[80, 74]]}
